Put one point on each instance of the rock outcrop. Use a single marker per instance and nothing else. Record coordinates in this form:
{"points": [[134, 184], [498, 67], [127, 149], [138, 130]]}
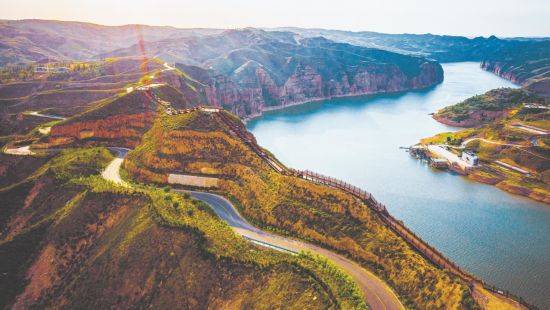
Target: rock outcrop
{"points": [[499, 69], [307, 84]]}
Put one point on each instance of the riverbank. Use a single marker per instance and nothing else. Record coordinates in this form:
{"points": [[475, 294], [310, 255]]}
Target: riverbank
{"points": [[508, 138], [357, 140], [505, 174], [253, 116]]}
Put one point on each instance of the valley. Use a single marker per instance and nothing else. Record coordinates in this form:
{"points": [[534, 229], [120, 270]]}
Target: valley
{"points": [[161, 167]]}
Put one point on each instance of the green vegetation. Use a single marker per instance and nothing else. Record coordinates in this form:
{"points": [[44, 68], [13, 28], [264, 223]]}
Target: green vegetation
{"points": [[486, 107], [503, 139], [125, 219], [291, 206]]}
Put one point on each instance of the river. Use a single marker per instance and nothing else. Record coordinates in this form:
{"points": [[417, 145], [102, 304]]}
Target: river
{"points": [[502, 238]]}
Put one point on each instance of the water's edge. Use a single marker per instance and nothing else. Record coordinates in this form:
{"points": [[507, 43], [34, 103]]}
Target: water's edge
{"points": [[501, 238]]}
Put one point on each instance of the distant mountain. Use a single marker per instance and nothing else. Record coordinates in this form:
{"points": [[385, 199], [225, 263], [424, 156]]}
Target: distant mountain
{"points": [[439, 47], [521, 62], [250, 70], [23, 41]]}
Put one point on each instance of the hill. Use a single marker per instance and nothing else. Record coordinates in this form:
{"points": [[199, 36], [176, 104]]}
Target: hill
{"points": [[201, 144], [70, 239], [482, 109], [65, 94], [510, 139], [248, 71], [443, 48], [24, 41], [522, 63], [118, 121]]}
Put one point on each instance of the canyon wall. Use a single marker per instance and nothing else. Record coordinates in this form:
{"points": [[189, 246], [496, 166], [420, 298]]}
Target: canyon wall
{"points": [[260, 92], [502, 70]]}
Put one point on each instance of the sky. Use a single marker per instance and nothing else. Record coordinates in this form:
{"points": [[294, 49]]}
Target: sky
{"points": [[457, 17]]}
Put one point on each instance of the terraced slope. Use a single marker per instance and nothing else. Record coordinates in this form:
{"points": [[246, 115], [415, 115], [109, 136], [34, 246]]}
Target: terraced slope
{"points": [[67, 94]]}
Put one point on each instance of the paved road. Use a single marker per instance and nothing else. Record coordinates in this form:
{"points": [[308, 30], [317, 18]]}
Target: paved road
{"points": [[112, 171], [517, 146], [35, 113], [377, 293]]}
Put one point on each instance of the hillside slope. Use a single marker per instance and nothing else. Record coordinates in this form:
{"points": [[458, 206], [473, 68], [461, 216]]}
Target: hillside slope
{"points": [[23, 41], [521, 63], [248, 71], [200, 144], [72, 240]]}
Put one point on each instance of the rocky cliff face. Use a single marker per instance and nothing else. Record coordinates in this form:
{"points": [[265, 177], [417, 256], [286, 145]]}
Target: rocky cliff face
{"points": [[499, 69], [522, 62], [306, 83]]}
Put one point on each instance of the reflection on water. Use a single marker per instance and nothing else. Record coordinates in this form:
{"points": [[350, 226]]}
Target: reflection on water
{"points": [[502, 238]]}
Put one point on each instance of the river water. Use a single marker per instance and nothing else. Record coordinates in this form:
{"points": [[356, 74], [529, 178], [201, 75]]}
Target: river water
{"points": [[502, 238]]}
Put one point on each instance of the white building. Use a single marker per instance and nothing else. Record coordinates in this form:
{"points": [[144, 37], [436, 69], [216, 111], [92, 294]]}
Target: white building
{"points": [[40, 69], [210, 110], [470, 158]]}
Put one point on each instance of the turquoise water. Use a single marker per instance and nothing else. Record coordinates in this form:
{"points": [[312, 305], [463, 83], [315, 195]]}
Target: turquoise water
{"points": [[502, 238]]}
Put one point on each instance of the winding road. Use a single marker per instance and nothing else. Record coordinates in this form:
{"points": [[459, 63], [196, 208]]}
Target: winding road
{"points": [[112, 171], [35, 113], [517, 146], [376, 292]]}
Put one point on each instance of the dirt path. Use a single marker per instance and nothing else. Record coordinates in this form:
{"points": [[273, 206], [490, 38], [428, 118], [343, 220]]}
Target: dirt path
{"points": [[35, 113]]}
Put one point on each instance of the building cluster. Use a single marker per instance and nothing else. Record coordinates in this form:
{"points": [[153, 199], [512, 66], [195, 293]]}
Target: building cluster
{"points": [[43, 69], [536, 106], [171, 111]]}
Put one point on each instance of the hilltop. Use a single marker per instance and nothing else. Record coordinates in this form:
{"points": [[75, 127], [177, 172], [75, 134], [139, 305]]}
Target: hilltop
{"points": [[485, 108], [245, 71], [249, 71]]}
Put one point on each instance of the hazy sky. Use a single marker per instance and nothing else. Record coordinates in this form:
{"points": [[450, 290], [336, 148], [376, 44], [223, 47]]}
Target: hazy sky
{"points": [[462, 17]]}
